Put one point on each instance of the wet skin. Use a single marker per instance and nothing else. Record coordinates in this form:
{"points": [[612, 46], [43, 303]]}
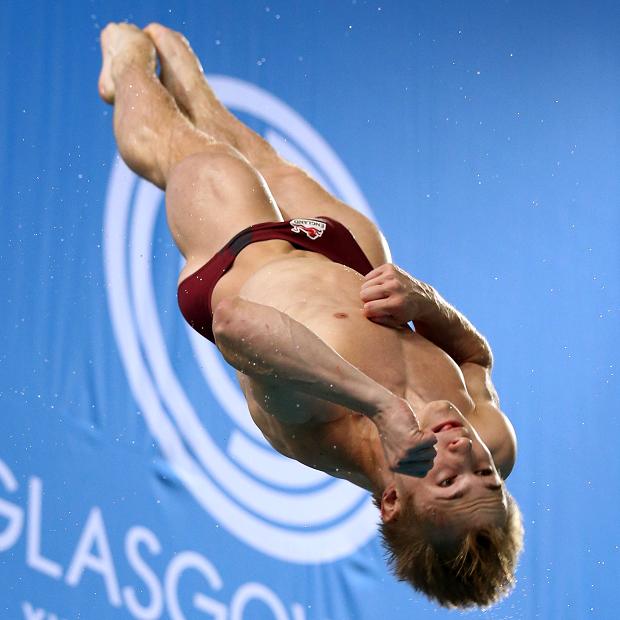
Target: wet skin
{"points": [[325, 297], [321, 295]]}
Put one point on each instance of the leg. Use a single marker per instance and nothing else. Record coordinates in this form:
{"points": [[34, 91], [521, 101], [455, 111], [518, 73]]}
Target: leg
{"points": [[296, 193], [152, 135], [212, 191]]}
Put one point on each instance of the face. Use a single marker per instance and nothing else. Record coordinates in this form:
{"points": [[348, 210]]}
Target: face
{"points": [[463, 489]]}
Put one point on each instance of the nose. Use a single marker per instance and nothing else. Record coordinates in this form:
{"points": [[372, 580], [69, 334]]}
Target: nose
{"points": [[462, 445]]}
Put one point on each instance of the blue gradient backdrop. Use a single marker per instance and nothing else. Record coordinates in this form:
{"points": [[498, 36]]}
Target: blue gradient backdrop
{"points": [[485, 137]]}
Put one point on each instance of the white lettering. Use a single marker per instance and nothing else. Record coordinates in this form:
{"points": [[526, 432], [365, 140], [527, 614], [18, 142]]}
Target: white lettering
{"points": [[153, 610], [150, 597], [34, 558], [256, 591], [192, 560], [95, 534], [30, 613], [14, 514]]}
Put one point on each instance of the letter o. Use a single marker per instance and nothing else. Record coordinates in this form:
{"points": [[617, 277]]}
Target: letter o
{"points": [[256, 591], [187, 560]]}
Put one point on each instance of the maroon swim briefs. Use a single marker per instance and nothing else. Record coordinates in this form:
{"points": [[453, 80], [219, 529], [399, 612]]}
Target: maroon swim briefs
{"points": [[321, 234]]}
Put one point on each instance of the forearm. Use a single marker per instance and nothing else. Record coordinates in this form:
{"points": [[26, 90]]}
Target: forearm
{"points": [[450, 330], [392, 297], [267, 344]]}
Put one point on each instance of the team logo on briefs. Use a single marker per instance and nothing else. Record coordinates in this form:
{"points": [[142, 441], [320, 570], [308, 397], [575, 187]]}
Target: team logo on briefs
{"points": [[313, 229]]}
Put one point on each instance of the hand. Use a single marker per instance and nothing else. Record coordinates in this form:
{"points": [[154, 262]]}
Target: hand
{"points": [[393, 298], [408, 449]]}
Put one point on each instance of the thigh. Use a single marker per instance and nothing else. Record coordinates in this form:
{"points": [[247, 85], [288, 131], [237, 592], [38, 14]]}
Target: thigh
{"points": [[210, 197], [299, 195]]}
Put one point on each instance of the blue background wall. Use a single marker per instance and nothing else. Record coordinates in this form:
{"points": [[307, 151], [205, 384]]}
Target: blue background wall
{"points": [[484, 135]]}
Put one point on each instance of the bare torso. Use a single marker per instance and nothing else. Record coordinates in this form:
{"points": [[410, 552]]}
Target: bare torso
{"points": [[212, 192], [324, 296]]}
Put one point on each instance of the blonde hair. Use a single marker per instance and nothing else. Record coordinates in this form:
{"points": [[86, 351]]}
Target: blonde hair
{"points": [[477, 571]]}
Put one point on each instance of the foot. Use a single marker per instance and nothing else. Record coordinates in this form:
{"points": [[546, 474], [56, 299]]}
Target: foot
{"points": [[120, 44], [181, 71], [182, 76]]}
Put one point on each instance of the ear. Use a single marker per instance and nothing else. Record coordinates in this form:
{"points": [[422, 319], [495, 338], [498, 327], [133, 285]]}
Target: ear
{"points": [[390, 504]]}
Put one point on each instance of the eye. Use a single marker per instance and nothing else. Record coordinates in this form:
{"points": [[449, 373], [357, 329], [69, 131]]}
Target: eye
{"points": [[484, 472], [447, 482]]}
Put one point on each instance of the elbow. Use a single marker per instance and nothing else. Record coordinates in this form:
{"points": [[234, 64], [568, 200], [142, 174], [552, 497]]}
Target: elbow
{"points": [[480, 354], [483, 358], [228, 320], [238, 335]]}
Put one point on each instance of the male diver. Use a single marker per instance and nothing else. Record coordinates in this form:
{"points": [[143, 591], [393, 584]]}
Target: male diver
{"points": [[297, 291]]}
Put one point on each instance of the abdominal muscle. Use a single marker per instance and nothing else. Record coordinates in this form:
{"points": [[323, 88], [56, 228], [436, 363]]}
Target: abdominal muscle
{"points": [[324, 297]]}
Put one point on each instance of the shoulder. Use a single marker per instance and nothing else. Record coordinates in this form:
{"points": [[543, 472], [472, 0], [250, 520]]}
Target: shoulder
{"points": [[492, 424]]}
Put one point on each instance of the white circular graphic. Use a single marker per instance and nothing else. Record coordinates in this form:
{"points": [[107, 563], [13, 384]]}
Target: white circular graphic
{"points": [[271, 503]]}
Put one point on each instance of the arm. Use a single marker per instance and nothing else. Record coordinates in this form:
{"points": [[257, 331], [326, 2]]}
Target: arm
{"points": [[392, 297], [493, 426], [275, 349]]}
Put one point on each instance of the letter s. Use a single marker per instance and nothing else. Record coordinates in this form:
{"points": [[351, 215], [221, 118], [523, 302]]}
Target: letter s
{"points": [[153, 610]]}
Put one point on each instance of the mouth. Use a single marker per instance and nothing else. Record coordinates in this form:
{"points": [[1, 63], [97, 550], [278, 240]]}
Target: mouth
{"points": [[447, 426]]}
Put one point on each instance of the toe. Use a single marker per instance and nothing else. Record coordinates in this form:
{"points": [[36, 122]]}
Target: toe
{"points": [[159, 33], [154, 29], [164, 35], [107, 31]]}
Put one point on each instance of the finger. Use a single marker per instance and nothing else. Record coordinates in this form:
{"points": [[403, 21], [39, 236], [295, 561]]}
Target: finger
{"points": [[414, 456], [423, 448], [390, 284], [412, 470], [373, 293], [377, 271], [428, 438], [381, 311], [421, 466], [424, 454], [418, 459], [372, 282], [421, 474], [389, 305], [377, 307]]}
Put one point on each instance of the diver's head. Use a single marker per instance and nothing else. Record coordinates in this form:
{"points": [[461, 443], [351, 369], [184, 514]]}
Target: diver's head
{"points": [[456, 533]]}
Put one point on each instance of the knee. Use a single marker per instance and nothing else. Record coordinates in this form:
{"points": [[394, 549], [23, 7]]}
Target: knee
{"points": [[215, 166], [283, 174]]}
